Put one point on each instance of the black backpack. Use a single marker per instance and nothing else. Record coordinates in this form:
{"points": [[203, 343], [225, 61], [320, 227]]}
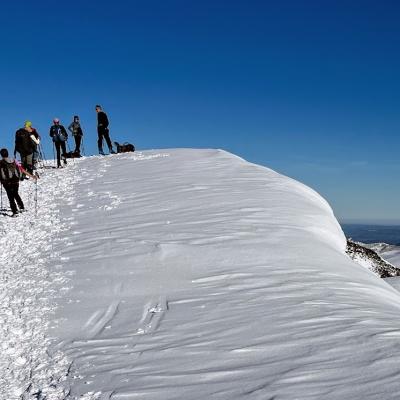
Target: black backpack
{"points": [[124, 148], [58, 133], [9, 172]]}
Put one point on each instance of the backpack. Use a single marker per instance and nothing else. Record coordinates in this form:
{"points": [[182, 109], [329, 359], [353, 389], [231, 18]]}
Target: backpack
{"points": [[58, 134], [23, 142], [9, 172], [124, 148]]}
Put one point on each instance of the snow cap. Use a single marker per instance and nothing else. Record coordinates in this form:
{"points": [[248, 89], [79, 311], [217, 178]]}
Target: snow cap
{"points": [[56, 120], [28, 124]]}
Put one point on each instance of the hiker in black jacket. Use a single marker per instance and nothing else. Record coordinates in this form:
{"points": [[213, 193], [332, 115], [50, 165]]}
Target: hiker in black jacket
{"points": [[76, 130], [25, 145], [10, 175], [60, 136], [103, 131]]}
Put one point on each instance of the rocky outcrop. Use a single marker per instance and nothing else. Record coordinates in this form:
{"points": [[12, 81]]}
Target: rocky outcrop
{"points": [[371, 260]]}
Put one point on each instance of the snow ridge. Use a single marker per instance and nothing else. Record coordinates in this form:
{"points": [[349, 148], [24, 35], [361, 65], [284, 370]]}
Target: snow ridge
{"points": [[194, 275]]}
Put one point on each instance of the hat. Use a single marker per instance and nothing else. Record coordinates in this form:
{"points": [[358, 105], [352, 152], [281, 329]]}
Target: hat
{"points": [[28, 124], [56, 120]]}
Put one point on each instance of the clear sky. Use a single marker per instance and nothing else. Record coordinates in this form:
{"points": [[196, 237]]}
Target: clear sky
{"points": [[308, 88]]}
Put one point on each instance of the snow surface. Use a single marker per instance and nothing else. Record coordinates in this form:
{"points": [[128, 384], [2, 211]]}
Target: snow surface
{"points": [[189, 274]]}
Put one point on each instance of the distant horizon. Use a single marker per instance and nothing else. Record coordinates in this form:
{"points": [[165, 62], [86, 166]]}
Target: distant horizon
{"points": [[365, 222], [373, 233]]}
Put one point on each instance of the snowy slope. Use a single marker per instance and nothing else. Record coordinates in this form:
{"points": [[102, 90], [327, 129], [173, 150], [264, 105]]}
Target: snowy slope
{"points": [[192, 274]]}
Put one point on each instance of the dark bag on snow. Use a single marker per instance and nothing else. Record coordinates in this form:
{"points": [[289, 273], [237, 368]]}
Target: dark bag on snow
{"points": [[124, 148], [9, 172], [73, 154]]}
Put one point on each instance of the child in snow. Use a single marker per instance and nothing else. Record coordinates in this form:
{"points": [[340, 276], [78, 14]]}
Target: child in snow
{"points": [[10, 175]]}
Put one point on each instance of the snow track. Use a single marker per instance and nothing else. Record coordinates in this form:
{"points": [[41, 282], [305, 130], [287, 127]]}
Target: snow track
{"points": [[31, 280]]}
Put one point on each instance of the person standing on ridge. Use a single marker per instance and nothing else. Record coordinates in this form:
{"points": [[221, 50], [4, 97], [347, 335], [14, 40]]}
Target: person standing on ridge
{"points": [[26, 140], [60, 136], [103, 131], [76, 130], [10, 175]]}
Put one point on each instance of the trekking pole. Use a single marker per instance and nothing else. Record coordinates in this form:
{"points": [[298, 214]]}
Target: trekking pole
{"points": [[83, 146], [1, 196], [54, 154], [36, 198], [42, 152], [41, 156], [44, 156], [38, 159]]}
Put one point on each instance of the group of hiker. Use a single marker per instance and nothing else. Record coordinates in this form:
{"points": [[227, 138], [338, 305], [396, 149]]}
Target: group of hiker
{"points": [[28, 146]]}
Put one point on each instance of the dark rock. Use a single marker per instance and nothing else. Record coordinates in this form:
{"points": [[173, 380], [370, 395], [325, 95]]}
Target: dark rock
{"points": [[378, 265]]}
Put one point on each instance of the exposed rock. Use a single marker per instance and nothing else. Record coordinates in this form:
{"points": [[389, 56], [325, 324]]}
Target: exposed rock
{"points": [[371, 260]]}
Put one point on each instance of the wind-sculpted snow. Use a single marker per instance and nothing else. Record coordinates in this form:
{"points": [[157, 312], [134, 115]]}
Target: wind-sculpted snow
{"points": [[196, 275]]}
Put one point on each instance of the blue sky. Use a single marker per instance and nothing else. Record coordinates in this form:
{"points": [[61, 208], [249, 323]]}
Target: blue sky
{"points": [[308, 88]]}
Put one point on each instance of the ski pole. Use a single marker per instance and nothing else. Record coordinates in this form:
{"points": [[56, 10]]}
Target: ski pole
{"points": [[1, 190]]}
